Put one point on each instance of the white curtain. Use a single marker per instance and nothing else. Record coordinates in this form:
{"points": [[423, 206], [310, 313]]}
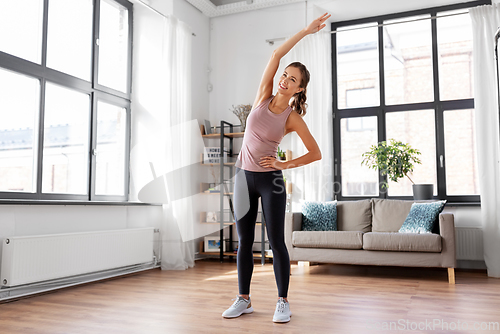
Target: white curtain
{"points": [[314, 182], [485, 22], [164, 137]]}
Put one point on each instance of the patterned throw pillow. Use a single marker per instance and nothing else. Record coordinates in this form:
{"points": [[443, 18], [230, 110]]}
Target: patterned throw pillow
{"points": [[319, 216], [422, 217]]}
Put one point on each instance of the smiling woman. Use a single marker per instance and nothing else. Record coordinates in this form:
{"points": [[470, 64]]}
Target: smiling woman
{"points": [[259, 173]]}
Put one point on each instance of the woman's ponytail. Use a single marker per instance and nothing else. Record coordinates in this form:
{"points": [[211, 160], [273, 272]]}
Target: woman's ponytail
{"points": [[298, 103]]}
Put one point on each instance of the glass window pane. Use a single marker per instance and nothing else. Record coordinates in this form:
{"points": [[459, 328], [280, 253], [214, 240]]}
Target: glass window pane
{"points": [[460, 148], [417, 129], [111, 146], [66, 140], [19, 105], [454, 35], [408, 61], [113, 46], [69, 45], [21, 29], [358, 180], [358, 66]]}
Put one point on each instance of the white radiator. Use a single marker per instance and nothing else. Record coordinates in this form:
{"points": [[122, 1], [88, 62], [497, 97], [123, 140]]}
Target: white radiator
{"points": [[469, 243], [46, 257]]}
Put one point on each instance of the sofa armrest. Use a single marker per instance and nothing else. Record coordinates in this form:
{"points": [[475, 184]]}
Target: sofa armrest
{"points": [[293, 222], [447, 231]]}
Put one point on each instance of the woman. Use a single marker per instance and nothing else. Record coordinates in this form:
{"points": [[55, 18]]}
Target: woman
{"points": [[259, 174]]}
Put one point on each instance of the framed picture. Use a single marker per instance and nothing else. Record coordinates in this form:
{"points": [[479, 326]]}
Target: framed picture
{"points": [[212, 244], [211, 217]]}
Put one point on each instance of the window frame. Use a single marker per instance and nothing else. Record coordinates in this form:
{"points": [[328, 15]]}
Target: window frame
{"points": [[95, 91], [380, 111]]}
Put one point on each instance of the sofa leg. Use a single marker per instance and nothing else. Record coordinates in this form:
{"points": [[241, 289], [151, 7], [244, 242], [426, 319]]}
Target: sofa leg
{"points": [[451, 275]]}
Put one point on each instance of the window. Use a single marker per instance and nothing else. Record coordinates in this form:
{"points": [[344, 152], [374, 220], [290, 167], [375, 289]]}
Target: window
{"points": [[406, 76], [65, 77], [18, 131], [356, 179]]}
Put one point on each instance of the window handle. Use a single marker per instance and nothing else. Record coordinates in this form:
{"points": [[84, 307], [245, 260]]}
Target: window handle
{"points": [[441, 160]]}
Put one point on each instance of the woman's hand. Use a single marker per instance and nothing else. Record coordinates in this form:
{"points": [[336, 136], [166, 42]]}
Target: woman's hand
{"points": [[317, 24], [271, 162]]}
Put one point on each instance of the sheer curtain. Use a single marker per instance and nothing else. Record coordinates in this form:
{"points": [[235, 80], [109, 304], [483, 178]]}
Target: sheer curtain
{"points": [[485, 22], [314, 182], [164, 138]]}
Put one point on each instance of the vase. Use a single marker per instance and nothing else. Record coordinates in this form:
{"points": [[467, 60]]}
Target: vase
{"points": [[242, 111], [423, 191], [243, 122]]}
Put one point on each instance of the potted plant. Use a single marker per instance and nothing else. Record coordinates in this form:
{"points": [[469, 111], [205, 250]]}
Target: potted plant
{"points": [[281, 154], [396, 160]]}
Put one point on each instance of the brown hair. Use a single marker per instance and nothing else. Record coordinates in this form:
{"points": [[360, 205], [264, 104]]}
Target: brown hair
{"points": [[299, 99]]}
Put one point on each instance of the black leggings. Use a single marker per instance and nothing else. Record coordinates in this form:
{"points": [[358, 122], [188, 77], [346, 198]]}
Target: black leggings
{"points": [[270, 187]]}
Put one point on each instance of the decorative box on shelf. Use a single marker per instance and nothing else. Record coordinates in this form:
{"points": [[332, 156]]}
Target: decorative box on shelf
{"points": [[212, 155], [212, 217]]}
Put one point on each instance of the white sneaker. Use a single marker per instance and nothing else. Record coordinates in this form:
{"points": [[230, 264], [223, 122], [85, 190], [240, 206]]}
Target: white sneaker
{"points": [[240, 306], [282, 313]]}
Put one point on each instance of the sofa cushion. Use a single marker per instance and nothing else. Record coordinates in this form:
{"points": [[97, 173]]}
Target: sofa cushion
{"points": [[422, 217], [407, 242], [355, 216], [319, 216], [389, 215], [328, 239]]}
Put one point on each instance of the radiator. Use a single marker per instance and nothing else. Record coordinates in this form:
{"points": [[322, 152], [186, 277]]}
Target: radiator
{"points": [[31, 259], [469, 243]]}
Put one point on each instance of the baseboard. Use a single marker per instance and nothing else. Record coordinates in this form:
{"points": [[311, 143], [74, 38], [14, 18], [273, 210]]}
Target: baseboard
{"points": [[34, 289], [471, 264]]}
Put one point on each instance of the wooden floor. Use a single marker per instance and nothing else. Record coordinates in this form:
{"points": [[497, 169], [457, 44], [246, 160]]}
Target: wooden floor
{"points": [[323, 299]]}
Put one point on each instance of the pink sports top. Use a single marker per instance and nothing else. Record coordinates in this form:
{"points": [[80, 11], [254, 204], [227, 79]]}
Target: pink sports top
{"points": [[263, 134]]}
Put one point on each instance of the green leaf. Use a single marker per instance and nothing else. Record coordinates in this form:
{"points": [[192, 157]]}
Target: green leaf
{"points": [[394, 159]]}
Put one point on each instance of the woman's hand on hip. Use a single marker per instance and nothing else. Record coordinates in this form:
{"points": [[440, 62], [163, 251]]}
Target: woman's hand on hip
{"points": [[271, 162], [317, 24]]}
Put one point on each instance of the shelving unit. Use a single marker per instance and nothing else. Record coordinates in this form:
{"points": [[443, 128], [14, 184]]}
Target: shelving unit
{"points": [[226, 193], [225, 190]]}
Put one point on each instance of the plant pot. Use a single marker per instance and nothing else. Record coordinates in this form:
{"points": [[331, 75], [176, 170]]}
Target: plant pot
{"points": [[423, 191]]}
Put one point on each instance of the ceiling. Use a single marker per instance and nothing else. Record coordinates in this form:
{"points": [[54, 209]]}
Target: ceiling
{"points": [[224, 2], [341, 10]]}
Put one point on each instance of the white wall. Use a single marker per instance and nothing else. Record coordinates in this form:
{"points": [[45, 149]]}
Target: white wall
{"points": [[200, 26], [239, 54]]}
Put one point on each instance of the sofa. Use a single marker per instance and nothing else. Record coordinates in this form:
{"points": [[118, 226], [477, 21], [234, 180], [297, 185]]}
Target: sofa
{"points": [[367, 234]]}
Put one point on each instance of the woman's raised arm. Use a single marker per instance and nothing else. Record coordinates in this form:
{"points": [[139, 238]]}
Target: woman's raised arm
{"points": [[266, 84]]}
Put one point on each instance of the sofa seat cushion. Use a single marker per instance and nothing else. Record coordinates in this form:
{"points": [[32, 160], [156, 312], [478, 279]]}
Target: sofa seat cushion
{"points": [[328, 239], [402, 242]]}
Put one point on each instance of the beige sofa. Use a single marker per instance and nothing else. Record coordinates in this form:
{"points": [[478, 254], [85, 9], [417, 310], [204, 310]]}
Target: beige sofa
{"points": [[368, 235]]}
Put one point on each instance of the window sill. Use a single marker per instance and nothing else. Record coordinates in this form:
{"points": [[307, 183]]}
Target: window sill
{"points": [[452, 204], [62, 202]]}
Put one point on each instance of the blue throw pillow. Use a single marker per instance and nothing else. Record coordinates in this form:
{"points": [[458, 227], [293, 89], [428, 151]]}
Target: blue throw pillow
{"points": [[319, 216], [422, 217]]}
